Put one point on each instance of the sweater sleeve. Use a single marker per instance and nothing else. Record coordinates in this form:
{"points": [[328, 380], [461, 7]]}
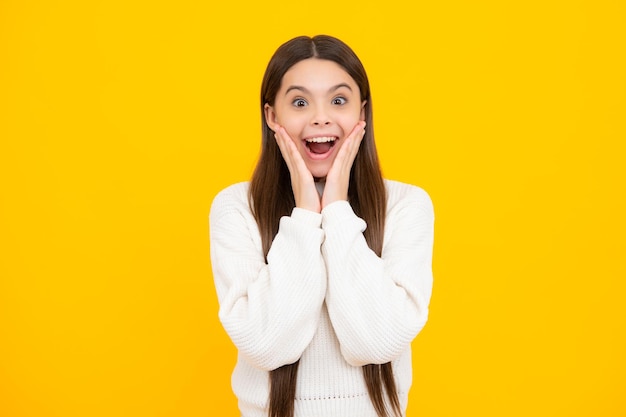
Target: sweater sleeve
{"points": [[269, 310], [379, 304]]}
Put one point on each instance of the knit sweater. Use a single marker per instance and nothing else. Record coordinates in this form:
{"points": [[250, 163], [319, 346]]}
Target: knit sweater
{"points": [[323, 297]]}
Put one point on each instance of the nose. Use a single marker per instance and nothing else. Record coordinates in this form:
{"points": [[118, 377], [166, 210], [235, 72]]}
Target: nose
{"points": [[320, 117]]}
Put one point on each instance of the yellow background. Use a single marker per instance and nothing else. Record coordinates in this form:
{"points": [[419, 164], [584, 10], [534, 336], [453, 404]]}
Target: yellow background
{"points": [[119, 122]]}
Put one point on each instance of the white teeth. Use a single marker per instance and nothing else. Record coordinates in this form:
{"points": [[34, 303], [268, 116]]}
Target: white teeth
{"points": [[321, 139]]}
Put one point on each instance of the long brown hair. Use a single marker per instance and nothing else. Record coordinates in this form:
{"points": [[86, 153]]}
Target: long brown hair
{"points": [[271, 197]]}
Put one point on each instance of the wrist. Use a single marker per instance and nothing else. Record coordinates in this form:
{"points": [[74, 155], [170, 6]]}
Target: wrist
{"points": [[313, 206], [329, 198]]}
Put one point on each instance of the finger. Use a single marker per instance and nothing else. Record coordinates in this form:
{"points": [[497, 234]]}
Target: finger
{"points": [[291, 154], [304, 191], [285, 144], [358, 128], [357, 135], [350, 148]]}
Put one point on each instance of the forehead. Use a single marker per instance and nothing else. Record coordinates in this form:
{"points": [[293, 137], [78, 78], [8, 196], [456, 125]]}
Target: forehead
{"points": [[314, 72]]}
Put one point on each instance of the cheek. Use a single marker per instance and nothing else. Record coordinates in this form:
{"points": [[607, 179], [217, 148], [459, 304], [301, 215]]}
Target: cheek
{"points": [[293, 126], [293, 131], [348, 122]]}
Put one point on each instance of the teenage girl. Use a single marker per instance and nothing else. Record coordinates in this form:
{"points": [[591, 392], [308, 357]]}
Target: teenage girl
{"points": [[322, 267]]}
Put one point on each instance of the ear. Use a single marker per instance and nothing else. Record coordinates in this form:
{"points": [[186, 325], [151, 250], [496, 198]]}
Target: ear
{"points": [[363, 109], [270, 117]]}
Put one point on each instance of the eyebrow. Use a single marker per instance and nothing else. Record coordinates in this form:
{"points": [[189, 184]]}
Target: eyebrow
{"points": [[330, 90]]}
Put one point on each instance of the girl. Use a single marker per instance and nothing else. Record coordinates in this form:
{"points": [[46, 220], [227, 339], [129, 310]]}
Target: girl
{"points": [[322, 268]]}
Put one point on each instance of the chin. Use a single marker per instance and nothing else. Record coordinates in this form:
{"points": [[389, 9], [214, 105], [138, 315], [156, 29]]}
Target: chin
{"points": [[319, 173]]}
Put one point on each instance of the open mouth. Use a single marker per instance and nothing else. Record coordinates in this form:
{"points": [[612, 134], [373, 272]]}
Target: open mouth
{"points": [[320, 145]]}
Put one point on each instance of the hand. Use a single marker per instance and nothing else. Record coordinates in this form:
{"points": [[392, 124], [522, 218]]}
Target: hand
{"points": [[302, 182], [338, 178]]}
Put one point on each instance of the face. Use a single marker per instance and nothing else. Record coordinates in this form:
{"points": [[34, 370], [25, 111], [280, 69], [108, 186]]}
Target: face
{"points": [[318, 104]]}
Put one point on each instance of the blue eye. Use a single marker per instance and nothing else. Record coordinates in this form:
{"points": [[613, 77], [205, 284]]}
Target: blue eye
{"points": [[339, 101], [299, 102]]}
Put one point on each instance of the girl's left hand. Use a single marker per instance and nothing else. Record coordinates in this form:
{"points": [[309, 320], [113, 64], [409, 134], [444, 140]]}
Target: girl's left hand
{"points": [[338, 178]]}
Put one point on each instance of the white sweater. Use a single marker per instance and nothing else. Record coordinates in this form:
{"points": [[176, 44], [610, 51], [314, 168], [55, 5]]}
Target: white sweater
{"points": [[322, 297]]}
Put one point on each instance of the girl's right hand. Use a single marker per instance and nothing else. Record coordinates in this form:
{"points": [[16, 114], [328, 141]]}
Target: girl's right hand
{"points": [[302, 181]]}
